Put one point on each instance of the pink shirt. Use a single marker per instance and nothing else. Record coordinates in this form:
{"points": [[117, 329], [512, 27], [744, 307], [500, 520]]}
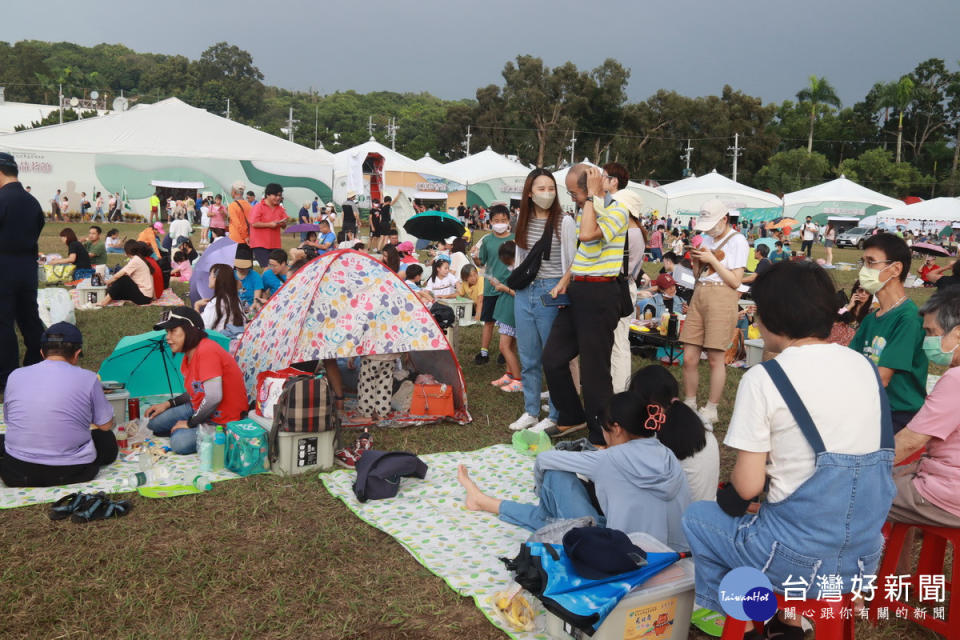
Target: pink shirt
{"points": [[938, 474], [218, 216], [266, 238], [656, 240]]}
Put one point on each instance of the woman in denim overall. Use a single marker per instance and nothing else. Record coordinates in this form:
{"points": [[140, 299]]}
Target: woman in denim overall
{"points": [[831, 524]]}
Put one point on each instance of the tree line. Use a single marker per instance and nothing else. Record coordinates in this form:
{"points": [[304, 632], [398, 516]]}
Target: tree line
{"points": [[902, 138]]}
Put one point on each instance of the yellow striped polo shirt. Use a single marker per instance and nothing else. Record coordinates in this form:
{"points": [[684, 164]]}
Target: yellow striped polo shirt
{"points": [[603, 256]]}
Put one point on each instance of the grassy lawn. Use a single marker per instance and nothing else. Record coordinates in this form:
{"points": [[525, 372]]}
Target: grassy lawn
{"points": [[266, 557]]}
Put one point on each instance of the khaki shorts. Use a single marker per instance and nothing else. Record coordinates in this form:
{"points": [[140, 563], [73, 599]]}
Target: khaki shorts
{"points": [[711, 317], [911, 507]]}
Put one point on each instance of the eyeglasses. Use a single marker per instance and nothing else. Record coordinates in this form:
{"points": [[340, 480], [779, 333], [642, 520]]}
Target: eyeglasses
{"points": [[572, 195], [871, 263]]}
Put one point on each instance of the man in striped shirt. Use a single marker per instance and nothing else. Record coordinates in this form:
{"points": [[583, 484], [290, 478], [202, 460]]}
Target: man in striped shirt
{"points": [[586, 327]]}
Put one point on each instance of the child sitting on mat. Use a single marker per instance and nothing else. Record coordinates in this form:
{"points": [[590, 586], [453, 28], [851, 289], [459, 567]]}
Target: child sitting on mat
{"points": [[639, 484]]}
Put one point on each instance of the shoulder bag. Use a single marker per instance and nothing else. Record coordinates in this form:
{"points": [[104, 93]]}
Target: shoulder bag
{"points": [[526, 272]]}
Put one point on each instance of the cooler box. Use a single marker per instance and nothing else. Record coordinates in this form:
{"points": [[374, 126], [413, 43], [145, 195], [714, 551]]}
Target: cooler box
{"points": [[91, 295], [462, 307], [754, 349], [118, 400], [659, 609], [299, 452]]}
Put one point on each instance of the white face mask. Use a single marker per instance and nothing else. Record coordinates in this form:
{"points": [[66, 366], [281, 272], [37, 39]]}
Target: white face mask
{"points": [[500, 227], [544, 199]]}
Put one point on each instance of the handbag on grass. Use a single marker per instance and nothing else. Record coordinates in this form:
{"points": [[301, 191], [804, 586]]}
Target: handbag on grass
{"points": [[57, 273]]}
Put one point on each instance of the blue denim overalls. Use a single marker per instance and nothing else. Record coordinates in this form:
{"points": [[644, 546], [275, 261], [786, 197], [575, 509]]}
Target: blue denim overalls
{"points": [[829, 526]]}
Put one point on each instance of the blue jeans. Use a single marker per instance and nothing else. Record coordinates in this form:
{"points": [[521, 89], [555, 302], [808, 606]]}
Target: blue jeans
{"points": [[114, 250], [182, 441], [656, 253], [534, 321], [562, 497]]}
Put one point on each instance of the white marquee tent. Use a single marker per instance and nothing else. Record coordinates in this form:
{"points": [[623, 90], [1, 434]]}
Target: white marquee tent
{"points": [[840, 197], [654, 200], [929, 215], [487, 177], [165, 144], [684, 197]]}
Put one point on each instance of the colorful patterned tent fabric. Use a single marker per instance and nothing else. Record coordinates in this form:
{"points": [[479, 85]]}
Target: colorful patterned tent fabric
{"points": [[346, 304]]}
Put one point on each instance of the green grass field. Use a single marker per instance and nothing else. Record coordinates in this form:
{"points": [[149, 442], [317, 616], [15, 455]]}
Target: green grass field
{"points": [[265, 557]]}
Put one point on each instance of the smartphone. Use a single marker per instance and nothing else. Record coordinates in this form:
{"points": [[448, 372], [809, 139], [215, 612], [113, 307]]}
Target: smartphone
{"points": [[562, 300]]}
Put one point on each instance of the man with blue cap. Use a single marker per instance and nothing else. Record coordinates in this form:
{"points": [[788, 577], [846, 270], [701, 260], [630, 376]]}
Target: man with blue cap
{"points": [[21, 221], [49, 410]]}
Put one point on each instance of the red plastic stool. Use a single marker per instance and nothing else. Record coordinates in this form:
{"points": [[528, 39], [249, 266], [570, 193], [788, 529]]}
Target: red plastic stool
{"points": [[932, 553], [832, 620]]}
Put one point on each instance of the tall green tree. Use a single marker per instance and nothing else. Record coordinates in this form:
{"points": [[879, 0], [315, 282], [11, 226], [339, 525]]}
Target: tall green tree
{"points": [[818, 92], [792, 170], [903, 95]]}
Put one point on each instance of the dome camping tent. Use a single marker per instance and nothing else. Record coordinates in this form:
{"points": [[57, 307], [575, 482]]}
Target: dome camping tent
{"points": [[684, 198], [346, 304], [840, 197], [168, 144]]}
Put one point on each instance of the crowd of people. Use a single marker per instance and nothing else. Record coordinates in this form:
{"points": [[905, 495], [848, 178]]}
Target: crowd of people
{"points": [[562, 290]]}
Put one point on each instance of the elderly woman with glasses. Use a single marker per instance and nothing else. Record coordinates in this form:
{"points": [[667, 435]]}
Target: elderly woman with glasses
{"points": [[214, 393]]}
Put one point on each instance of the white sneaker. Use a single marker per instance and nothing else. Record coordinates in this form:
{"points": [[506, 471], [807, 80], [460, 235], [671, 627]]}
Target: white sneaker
{"points": [[708, 414], [545, 395], [545, 407], [523, 422], [543, 425]]}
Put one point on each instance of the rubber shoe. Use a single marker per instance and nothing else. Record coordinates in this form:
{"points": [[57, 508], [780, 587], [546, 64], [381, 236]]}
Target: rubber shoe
{"points": [[514, 386], [523, 422], [543, 425], [502, 380], [556, 431], [481, 359], [346, 458]]}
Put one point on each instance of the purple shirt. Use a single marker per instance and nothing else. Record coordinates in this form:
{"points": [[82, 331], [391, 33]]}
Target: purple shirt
{"points": [[49, 408]]}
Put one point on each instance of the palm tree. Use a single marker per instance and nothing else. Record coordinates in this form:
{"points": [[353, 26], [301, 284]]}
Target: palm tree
{"points": [[904, 96], [819, 91]]}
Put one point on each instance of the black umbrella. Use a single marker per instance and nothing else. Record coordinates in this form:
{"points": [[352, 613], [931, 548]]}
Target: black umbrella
{"points": [[434, 225]]}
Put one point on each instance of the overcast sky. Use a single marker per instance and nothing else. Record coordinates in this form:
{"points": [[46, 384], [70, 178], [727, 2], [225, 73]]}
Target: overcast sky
{"points": [[766, 48]]}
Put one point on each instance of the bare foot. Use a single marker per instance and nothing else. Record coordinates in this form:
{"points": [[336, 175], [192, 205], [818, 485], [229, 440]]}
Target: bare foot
{"points": [[475, 497]]}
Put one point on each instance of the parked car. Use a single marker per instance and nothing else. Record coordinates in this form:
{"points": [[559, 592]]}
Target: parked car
{"points": [[853, 237]]}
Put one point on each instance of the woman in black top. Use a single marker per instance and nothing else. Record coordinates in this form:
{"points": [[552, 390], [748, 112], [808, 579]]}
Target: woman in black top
{"points": [[76, 254]]}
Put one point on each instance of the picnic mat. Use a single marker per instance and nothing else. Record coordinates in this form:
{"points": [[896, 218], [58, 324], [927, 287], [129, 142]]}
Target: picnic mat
{"points": [[109, 479], [168, 299], [461, 547]]}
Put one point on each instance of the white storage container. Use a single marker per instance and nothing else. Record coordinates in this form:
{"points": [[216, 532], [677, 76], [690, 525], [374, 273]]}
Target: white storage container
{"points": [[91, 295], [754, 349], [299, 452], [658, 609], [118, 400], [462, 308]]}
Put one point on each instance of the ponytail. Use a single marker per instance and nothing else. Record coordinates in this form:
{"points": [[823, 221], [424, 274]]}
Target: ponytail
{"points": [[683, 433]]}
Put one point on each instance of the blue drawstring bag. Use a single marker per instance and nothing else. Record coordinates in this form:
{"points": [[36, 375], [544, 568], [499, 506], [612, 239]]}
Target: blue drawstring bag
{"points": [[247, 448]]}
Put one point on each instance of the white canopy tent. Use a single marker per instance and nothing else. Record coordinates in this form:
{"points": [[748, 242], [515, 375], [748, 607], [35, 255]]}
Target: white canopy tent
{"points": [[837, 197], [375, 170], [654, 200], [487, 177], [684, 197], [171, 142], [429, 161], [927, 216]]}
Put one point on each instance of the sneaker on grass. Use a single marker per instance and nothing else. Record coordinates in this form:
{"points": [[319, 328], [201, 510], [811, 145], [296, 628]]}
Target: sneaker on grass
{"points": [[346, 458], [523, 422], [543, 425], [481, 358]]}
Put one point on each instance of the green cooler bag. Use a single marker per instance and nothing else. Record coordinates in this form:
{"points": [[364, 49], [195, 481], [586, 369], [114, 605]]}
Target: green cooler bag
{"points": [[247, 448]]}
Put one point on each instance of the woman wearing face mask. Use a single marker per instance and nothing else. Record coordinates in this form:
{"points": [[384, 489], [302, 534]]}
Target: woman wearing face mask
{"points": [[712, 316], [892, 335], [540, 217], [926, 489]]}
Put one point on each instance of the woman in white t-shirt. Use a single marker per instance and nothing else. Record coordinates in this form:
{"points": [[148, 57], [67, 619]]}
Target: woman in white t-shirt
{"points": [[814, 422], [442, 283], [223, 312], [711, 318]]}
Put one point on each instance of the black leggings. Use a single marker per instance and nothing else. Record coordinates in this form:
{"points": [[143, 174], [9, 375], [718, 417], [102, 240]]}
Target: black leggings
{"points": [[17, 473], [124, 288]]}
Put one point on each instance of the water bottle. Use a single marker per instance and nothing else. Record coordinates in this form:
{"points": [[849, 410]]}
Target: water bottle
{"points": [[219, 448], [205, 449], [157, 474]]}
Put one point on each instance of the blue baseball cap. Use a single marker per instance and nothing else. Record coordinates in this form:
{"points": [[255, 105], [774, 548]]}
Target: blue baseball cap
{"points": [[62, 332], [598, 553]]}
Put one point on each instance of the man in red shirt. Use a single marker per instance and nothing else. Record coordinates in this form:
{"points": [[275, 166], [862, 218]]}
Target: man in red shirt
{"points": [[267, 221]]}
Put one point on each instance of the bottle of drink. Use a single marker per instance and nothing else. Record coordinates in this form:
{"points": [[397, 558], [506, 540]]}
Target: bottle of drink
{"points": [[219, 448], [205, 449], [121, 437], [672, 326], [158, 474], [133, 409]]}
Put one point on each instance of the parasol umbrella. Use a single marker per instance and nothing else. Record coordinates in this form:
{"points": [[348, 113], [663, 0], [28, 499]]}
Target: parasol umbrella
{"points": [[222, 251], [146, 366], [779, 223], [434, 225], [929, 249], [305, 227]]}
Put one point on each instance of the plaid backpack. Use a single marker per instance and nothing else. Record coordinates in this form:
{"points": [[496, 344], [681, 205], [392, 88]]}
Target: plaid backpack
{"points": [[306, 404]]}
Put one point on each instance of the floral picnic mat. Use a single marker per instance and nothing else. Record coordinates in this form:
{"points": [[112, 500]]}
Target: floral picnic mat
{"points": [[462, 547], [168, 299]]}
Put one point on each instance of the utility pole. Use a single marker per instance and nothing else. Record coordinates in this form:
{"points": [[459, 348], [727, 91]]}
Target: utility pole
{"points": [[316, 126], [736, 151], [228, 108], [573, 144], [467, 144], [392, 132], [685, 156], [60, 94], [370, 126], [290, 123]]}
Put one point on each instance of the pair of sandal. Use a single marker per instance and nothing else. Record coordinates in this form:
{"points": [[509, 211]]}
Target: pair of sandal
{"points": [[83, 507]]}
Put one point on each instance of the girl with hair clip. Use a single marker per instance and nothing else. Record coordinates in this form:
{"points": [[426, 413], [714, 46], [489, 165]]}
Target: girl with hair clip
{"points": [[442, 283], [639, 484], [688, 437]]}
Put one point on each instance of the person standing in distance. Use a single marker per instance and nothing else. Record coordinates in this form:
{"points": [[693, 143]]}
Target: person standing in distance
{"points": [[810, 232], [267, 220], [21, 221], [350, 213]]}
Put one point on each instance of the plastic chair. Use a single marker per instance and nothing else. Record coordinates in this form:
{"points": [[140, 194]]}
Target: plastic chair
{"points": [[836, 625], [932, 555]]}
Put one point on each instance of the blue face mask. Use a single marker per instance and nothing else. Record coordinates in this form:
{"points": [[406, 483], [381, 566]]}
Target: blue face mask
{"points": [[933, 349]]}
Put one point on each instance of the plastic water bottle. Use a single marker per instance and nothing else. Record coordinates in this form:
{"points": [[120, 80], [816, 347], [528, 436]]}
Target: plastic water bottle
{"points": [[219, 448], [156, 474], [205, 449]]}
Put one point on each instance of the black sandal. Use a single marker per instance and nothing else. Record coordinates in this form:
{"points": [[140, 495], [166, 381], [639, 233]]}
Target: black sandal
{"points": [[65, 506], [100, 508]]}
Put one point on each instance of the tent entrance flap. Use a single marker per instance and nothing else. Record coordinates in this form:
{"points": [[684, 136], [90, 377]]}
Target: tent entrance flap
{"points": [[174, 184]]}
